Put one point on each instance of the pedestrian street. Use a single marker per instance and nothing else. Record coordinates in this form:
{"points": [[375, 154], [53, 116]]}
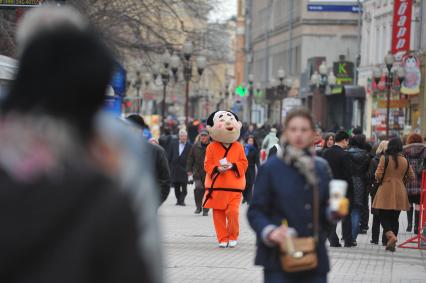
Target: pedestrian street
{"points": [[192, 256]]}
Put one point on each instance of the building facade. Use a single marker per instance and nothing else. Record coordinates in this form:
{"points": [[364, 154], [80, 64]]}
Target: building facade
{"points": [[376, 43], [288, 34]]}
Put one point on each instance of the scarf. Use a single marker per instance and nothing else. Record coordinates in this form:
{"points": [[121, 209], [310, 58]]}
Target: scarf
{"points": [[302, 160]]}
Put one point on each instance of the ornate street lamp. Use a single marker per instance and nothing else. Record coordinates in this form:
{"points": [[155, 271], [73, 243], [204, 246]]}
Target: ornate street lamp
{"points": [[319, 82], [315, 79], [250, 98], [332, 80], [176, 62], [147, 79], [137, 85], [164, 72], [392, 75], [285, 84]]}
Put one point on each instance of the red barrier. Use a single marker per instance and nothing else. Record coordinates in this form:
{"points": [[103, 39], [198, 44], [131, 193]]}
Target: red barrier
{"points": [[419, 241]]}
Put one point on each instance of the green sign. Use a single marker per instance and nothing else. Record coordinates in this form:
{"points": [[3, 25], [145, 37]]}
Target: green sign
{"points": [[20, 3], [240, 90], [344, 72]]}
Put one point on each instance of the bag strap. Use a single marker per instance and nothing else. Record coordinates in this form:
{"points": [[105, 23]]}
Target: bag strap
{"points": [[315, 209], [384, 172]]}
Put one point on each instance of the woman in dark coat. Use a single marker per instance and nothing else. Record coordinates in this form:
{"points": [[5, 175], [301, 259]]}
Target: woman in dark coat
{"points": [[415, 152], [284, 192], [360, 161], [373, 186], [252, 153]]}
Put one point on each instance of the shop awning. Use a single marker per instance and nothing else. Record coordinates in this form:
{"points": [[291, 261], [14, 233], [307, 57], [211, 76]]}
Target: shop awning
{"points": [[348, 90], [354, 91]]}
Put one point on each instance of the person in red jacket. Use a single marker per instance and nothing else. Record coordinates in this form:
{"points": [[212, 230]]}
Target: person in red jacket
{"points": [[225, 165]]}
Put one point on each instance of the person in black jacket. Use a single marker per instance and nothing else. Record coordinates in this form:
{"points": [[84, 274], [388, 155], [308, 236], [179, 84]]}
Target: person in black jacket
{"points": [[373, 186], [360, 161], [166, 140], [195, 168], [158, 158], [340, 164], [162, 169], [178, 157], [68, 217], [252, 153]]}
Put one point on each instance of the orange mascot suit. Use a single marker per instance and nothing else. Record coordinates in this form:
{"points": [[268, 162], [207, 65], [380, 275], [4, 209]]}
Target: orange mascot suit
{"points": [[225, 165]]}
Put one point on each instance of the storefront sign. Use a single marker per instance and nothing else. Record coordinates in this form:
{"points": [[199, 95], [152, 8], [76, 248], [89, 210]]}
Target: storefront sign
{"points": [[333, 6], [401, 103], [344, 72], [20, 3], [411, 83], [401, 30]]}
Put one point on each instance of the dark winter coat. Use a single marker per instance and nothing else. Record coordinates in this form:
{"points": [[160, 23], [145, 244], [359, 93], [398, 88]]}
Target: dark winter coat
{"points": [[340, 164], [372, 184], [79, 228], [253, 162], [195, 162], [166, 142], [360, 161], [162, 170], [416, 155], [275, 200], [178, 163]]}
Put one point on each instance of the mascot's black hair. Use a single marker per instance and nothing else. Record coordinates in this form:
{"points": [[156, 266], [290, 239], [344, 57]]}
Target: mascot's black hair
{"points": [[210, 119]]}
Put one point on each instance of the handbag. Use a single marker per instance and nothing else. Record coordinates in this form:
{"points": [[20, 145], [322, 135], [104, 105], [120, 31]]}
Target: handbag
{"points": [[304, 257]]}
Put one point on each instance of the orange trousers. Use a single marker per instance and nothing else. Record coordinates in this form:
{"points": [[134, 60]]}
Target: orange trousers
{"points": [[227, 221]]}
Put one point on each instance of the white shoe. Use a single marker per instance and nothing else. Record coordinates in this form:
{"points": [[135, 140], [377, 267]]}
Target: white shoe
{"points": [[232, 244], [223, 245]]}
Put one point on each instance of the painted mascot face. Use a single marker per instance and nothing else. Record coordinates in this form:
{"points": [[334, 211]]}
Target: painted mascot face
{"points": [[224, 127]]}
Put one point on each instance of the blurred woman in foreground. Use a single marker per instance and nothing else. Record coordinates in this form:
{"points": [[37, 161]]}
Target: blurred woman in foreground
{"points": [[284, 193], [64, 198]]}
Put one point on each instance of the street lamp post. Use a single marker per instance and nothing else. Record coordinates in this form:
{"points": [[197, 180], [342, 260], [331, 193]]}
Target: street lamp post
{"points": [[137, 85], [390, 81], [201, 63], [250, 100], [165, 78], [227, 94], [319, 82], [283, 89]]}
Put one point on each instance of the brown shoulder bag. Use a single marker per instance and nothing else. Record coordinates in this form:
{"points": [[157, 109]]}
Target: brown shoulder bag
{"points": [[304, 257]]}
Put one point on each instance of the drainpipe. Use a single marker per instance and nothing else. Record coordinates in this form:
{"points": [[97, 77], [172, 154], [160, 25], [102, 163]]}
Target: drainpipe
{"points": [[290, 34]]}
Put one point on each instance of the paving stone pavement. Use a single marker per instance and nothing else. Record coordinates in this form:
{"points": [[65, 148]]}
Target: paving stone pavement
{"points": [[192, 256]]}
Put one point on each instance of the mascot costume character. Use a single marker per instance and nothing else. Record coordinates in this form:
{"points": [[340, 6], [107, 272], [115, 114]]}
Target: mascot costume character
{"points": [[225, 165]]}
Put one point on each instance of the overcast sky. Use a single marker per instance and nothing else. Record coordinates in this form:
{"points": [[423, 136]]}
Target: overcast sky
{"points": [[225, 10]]}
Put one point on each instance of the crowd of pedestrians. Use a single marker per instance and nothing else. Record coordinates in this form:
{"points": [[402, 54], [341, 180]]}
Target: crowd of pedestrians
{"points": [[89, 186]]}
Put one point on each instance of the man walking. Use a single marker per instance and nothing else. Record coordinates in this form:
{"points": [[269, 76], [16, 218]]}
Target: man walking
{"points": [[195, 168], [178, 156], [340, 164]]}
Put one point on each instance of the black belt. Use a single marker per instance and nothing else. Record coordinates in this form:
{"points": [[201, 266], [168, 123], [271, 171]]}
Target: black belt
{"points": [[211, 190]]}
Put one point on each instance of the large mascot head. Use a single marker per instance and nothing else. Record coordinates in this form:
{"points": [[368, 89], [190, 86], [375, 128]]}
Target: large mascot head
{"points": [[224, 126]]}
